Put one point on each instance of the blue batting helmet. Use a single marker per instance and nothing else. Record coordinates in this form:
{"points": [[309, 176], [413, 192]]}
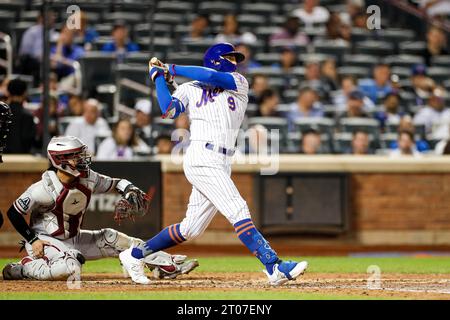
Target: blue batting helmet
{"points": [[214, 57]]}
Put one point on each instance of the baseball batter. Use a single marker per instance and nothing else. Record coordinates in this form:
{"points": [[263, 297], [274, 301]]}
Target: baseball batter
{"points": [[215, 102], [55, 243]]}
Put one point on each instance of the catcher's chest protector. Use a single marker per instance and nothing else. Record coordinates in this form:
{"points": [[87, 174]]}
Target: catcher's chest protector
{"points": [[65, 219]]}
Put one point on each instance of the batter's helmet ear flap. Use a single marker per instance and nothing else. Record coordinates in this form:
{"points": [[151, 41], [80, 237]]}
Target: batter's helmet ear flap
{"points": [[214, 57]]}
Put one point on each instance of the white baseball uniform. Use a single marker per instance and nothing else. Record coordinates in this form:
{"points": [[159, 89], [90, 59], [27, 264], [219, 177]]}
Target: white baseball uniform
{"points": [[215, 117]]}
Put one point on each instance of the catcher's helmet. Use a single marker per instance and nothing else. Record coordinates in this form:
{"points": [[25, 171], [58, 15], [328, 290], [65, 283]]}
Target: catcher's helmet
{"points": [[5, 121], [69, 154], [214, 57]]}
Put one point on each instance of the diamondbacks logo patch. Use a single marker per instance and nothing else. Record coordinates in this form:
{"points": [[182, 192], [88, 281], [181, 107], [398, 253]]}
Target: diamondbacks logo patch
{"points": [[24, 203]]}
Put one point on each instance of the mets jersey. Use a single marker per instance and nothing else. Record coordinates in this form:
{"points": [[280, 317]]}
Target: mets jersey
{"points": [[58, 209], [215, 114]]}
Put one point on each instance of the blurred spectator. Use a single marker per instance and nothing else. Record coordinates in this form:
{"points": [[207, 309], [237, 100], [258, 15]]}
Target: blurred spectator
{"points": [[22, 132], [442, 147], [360, 143], [422, 85], [268, 104], [307, 105], [330, 77], [75, 106], [86, 35], [259, 83], [348, 85], [406, 145], [230, 32], [199, 28], [311, 143], [249, 63], [313, 79], [435, 116], [354, 9], [122, 145], [182, 122], [406, 124], [336, 29], [52, 120], [163, 145], [288, 59], [312, 13], [290, 33], [64, 53], [436, 8], [121, 44], [359, 19], [355, 106], [391, 112], [436, 44], [32, 47], [90, 125], [377, 88], [143, 122]]}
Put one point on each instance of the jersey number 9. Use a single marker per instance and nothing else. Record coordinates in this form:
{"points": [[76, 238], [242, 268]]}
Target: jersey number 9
{"points": [[231, 103]]}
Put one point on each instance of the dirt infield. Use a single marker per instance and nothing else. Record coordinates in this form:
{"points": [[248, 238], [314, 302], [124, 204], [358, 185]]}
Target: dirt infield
{"points": [[399, 286]]}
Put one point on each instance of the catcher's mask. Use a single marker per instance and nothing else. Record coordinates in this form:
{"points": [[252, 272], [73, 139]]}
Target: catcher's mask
{"points": [[69, 154], [5, 121]]}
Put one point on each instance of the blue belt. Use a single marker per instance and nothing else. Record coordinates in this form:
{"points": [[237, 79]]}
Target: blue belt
{"points": [[222, 150]]}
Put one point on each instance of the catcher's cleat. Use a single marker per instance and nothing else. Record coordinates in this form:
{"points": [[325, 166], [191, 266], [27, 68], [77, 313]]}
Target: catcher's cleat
{"points": [[285, 271], [134, 267], [13, 271]]}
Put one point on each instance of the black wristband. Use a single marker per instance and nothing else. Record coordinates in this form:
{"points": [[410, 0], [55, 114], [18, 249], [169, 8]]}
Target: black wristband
{"points": [[22, 227]]}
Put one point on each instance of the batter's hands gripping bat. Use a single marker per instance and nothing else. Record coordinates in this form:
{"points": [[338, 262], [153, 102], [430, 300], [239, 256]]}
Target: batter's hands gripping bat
{"points": [[169, 78]]}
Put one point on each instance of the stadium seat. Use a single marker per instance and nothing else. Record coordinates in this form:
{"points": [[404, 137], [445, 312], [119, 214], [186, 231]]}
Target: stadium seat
{"points": [[198, 46], [438, 74], [96, 68], [271, 123], [357, 72], [440, 61], [264, 8], [162, 126], [131, 18], [104, 29], [137, 74], [323, 125], [174, 6], [169, 19], [374, 47], [314, 57], [267, 59], [403, 60], [160, 44], [17, 31], [402, 72], [278, 45], [360, 60], [396, 35], [269, 71], [332, 47], [290, 95], [144, 29], [277, 20], [264, 32], [142, 58], [224, 7], [343, 142], [185, 58], [351, 125], [6, 21], [388, 139], [29, 16], [412, 47], [251, 20], [359, 34]]}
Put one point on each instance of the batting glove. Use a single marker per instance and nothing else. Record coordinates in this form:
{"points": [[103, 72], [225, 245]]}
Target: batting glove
{"points": [[155, 72]]}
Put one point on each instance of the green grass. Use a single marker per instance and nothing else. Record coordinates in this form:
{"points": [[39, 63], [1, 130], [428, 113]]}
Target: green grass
{"points": [[426, 265]]}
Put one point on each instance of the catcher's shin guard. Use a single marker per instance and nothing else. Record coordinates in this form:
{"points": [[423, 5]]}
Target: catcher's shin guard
{"points": [[60, 268]]}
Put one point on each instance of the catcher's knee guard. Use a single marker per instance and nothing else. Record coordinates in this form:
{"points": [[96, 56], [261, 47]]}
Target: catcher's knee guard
{"points": [[107, 239], [60, 268]]}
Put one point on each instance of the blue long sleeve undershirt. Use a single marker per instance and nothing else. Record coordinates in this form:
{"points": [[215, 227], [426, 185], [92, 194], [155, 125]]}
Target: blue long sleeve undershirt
{"points": [[220, 79]]}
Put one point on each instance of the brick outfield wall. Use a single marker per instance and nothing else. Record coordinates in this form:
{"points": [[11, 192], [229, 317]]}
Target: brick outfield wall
{"points": [[386, 208]]}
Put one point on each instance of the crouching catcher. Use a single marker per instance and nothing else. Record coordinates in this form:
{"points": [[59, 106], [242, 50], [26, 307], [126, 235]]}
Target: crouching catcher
{"points": [[56, 246]]}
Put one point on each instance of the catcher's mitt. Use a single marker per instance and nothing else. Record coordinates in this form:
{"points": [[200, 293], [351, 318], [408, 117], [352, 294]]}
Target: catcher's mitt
{"points": [[135, 202]]}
